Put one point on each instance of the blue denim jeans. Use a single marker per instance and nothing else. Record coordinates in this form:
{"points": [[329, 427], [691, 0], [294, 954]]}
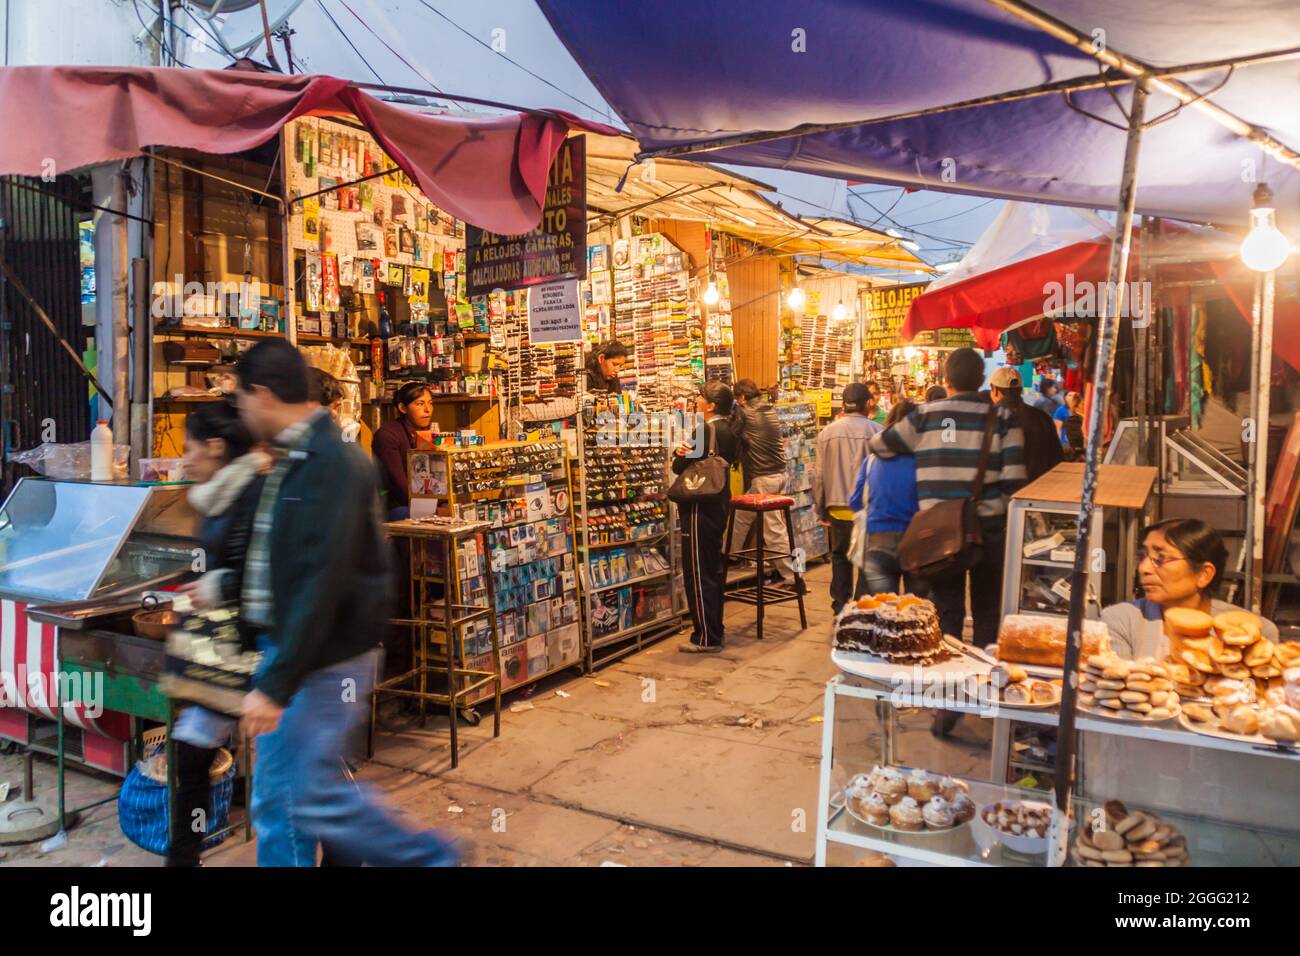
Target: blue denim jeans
{"points": [[301, 795]]}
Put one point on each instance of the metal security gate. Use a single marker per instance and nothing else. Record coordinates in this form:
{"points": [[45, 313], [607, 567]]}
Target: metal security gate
{"points": [[40, 384]]}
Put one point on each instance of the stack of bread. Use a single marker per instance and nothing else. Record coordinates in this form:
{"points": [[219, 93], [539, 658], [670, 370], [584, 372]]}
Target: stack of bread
{"points": [[1231, 644], [1140, 689], [1126, 838], [1237, 708], [1240, 681]]}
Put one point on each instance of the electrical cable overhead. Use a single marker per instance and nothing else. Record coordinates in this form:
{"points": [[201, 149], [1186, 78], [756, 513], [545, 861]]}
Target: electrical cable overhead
{"points": [[516, 63], [157, 38], [404, 60], [347, 38]]}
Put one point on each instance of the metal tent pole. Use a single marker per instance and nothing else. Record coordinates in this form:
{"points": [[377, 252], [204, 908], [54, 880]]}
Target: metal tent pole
{"points": [[1112, 304], [1262, 365], [1251, 599]]}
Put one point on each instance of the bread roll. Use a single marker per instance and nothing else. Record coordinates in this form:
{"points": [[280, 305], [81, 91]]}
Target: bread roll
{"points": [[1185, 622], [1032, 639]]}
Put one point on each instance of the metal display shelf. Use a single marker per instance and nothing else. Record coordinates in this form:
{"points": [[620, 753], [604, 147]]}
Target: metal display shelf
{"points": [[631, 581], [584, 546], [1213, 842]]}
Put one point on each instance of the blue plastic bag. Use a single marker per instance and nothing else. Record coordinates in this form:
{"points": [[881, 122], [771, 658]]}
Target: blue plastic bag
{"points": [[142, 810]]}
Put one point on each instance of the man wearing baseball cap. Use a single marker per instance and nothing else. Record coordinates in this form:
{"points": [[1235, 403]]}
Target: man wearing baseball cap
{"points": [[841, 449], [1042, 443]]}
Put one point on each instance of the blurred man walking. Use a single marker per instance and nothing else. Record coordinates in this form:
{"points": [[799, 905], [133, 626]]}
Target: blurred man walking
{"points": [[316, 588]]}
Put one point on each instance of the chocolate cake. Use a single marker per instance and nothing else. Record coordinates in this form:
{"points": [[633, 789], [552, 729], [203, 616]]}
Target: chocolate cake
{"points": [[900, 630]]}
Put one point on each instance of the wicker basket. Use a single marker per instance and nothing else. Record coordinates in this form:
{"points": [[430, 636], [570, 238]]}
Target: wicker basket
{"points": [[154, 765]]}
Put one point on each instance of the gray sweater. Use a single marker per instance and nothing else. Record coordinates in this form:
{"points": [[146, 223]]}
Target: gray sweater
{"points": [[841, 448]]}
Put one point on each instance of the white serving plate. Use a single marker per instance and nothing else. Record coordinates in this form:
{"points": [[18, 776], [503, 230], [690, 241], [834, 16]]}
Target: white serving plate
{"points": [[1133, 717], [1213, 731], [902, 676]]}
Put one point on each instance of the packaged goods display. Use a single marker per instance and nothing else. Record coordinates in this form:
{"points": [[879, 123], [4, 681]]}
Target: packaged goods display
{"points": [[521, 490], [799, 438]]}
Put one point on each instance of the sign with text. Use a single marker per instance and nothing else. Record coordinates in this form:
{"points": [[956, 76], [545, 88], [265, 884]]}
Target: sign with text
{"points": [[557, 247], [554, 313], [883, 311]]}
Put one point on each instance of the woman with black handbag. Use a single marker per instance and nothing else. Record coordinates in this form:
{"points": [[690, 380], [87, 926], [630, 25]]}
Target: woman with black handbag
{"points": [[702, 492]]}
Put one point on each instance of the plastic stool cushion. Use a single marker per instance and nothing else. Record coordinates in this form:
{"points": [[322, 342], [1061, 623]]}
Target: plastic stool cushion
{"points": [[762, 502]]}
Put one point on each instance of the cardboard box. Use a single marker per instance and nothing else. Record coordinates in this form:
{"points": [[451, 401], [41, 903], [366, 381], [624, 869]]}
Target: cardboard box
{"points": [[514, 665], [564, 646]]}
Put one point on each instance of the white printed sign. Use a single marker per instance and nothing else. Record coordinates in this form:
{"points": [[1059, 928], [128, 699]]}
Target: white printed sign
{"points": [[554, 313]]}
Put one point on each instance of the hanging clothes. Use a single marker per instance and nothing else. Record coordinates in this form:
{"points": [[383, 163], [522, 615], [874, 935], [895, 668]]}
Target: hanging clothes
{"points": [[1034, 340], [1198, 368]]}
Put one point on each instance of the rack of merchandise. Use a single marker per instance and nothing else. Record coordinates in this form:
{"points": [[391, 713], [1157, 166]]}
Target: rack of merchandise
{"points": [[799, 438], [378, 269], [719, 336], [536, 383], [629, 561], [652, 315], [1234, 821], [522, 490]]}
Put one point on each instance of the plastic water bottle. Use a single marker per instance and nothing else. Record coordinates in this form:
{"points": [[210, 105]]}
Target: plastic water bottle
{"points": [[101, 452]]}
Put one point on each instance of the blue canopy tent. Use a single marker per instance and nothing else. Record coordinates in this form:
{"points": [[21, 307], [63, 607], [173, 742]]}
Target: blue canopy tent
{"points": [[1169, 108], [873, 90]]}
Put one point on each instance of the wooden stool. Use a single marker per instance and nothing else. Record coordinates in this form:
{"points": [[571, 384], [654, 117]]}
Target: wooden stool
{"points": [[762, 593]]}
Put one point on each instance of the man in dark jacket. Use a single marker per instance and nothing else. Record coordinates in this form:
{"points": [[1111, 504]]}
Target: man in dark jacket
{"points": [[762, 464], [315, 587], [1042, 443]]}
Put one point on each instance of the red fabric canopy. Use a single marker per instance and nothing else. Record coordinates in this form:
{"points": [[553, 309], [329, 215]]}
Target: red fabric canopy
{"points": [[992, 302], [490, 171]]}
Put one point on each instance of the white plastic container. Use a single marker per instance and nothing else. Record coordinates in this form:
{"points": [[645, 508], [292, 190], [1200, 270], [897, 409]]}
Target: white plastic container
{"points": [[101, 452]]}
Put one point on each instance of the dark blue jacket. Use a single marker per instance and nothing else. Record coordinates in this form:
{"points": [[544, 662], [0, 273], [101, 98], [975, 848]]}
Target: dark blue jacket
{"points": [[892, 501]]}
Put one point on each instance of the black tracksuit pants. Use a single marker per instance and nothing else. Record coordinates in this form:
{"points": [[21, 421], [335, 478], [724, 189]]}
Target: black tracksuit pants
{"points": [[704, 565]]}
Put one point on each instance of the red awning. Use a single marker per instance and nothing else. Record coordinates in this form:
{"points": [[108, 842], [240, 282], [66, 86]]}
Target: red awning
{"points": [[990, 303], [490, 171]]}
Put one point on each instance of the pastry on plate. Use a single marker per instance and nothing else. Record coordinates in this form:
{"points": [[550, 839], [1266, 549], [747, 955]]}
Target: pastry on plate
{"points": [[1242, 720], [963, 807], [876, 810], [892, 785], [906, 815], [938, 814], [1017, 694], [949, 787], [921, 786]]}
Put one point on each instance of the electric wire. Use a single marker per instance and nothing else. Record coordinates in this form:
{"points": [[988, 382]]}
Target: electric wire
{"points": [[515, 63], [347, 38]]}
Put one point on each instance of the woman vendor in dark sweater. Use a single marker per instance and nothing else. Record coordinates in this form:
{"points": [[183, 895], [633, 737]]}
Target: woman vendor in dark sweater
{"points": [[394, 439]]}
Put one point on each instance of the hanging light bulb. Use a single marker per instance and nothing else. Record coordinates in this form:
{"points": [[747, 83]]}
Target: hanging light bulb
{"points": [[795, 298], [711, 295], [1265, 248], [840, 312]]}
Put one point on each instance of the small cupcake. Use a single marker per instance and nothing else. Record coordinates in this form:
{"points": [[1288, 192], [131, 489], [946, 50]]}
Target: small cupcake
{"points": [[938, 814], [921, 787], [906, 815], [892, 786], [963, 807], [876, 810], [877, 774], [857, 793], [949, 788]]}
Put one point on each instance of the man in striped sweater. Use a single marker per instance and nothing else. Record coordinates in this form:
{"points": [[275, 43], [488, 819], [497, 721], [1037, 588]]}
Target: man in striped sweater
{"points": [[945, 437]]}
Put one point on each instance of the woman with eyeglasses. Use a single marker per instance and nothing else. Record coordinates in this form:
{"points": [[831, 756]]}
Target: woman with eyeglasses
{"points": [[1180, 563], [395, 438]]}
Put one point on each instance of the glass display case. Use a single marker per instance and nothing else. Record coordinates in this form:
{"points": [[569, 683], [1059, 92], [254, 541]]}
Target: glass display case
{"points": [[1041, 540], [1221, 802], [63, 540]]}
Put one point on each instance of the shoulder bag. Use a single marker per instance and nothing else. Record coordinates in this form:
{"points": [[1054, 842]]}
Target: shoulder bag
{"points": [[945, 538], [703, 480]]}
